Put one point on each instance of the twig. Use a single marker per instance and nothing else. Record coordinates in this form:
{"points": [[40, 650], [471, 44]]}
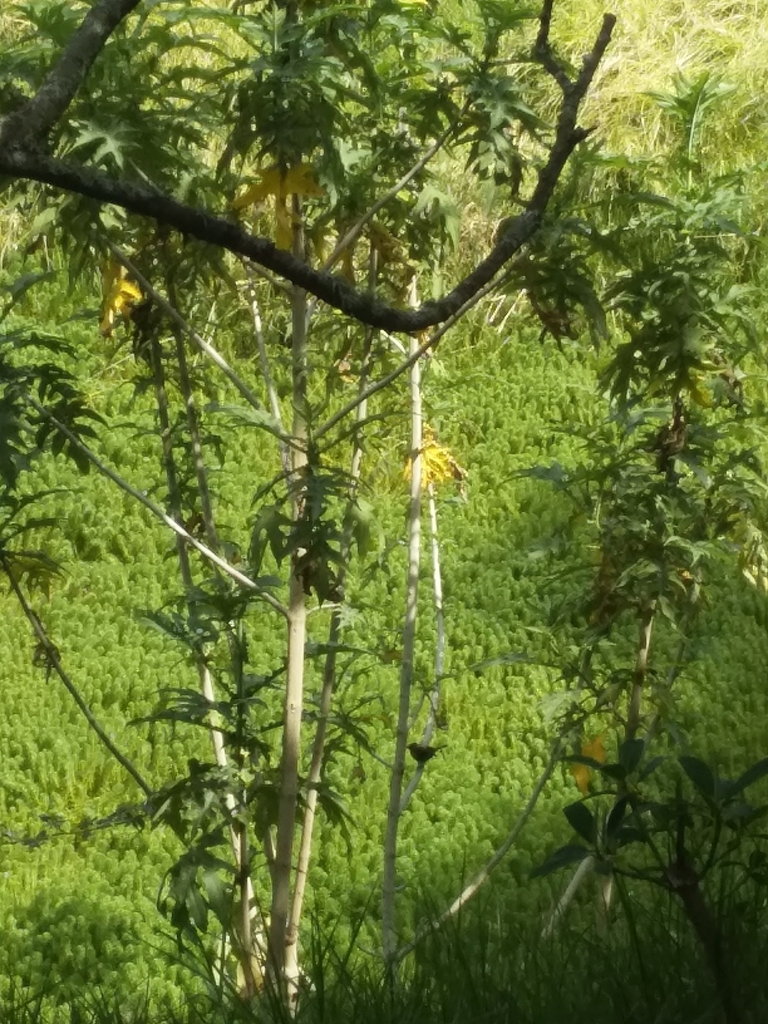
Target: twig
{"points": [[425, 347], [542, 48], [266, 372], [469, 891], [155, 509], [640, 672], [420, 164], [571, 889], [206, 348], [281, 286], [52, 659]]}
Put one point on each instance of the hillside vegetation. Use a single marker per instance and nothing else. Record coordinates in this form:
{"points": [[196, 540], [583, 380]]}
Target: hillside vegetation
{"points": [[590, 454]]}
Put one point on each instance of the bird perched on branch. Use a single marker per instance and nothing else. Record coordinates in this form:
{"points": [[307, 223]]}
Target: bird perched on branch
{"points": [[421, 752]]}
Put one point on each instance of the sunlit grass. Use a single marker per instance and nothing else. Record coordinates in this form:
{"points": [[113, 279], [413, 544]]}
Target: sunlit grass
{"points": [[654, 41]]}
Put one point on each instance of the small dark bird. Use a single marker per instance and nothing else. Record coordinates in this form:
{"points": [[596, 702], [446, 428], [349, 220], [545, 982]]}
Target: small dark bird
{"points": [[422, 753]]}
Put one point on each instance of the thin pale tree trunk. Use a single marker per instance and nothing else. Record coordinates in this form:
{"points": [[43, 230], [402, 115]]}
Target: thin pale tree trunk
{"points": [[640, 674], [437, 600], [329, 682], [296, 641], [389, 933]]}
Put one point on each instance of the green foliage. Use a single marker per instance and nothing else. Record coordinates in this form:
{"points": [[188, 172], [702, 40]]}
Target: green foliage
{"points": [[647, 833], [655, 456]]}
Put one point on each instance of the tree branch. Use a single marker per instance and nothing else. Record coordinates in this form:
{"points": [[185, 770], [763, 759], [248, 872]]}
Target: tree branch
{"points": [[472, 887], [22, 156], [154, 508], [173, 314], [35, 119]]}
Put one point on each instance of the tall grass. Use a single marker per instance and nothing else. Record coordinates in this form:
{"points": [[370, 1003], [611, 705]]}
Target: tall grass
{"points": [[487, 968]]}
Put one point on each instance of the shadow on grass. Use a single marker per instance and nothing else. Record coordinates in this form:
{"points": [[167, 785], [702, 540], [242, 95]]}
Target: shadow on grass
{"points": [[487, 967]]}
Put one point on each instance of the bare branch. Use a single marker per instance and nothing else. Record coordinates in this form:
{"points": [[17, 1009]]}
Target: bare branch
{"points": [[266, 371], [170, 311], [426, 346], [380, 203], [542, 48], [472, 887]]}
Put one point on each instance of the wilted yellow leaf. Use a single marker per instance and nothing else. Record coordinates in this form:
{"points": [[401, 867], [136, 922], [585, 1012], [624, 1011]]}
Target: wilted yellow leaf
{"points": [[298, 180], [582, 773], [118, 296], [344, 368], [437, 463]]}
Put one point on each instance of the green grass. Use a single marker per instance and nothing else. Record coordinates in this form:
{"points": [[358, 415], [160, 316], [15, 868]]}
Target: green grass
{"points": [[489, 967]]}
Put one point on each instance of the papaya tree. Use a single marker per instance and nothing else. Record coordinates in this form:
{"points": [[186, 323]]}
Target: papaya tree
{"points": [[668, 498], [264, 173]]}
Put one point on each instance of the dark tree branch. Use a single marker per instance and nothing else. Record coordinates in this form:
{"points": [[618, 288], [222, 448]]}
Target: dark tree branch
{"points": [[542, 48], [32, 122], [22, 156]]}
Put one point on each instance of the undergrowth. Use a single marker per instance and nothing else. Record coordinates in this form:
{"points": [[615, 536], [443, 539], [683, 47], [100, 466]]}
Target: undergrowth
{"points": [[489, 967]]}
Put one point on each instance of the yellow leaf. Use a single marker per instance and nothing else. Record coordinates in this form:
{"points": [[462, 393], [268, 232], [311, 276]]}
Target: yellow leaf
{"points": [[299, 180], [344, 368], [582, 773], [437, 463], [118, 296], [258, 192], [595, 748]]}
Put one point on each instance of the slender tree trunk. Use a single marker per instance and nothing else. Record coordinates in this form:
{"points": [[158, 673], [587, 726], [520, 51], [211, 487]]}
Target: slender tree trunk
{"points": [[437, 598], [326, 695], [437, 591], [53, 663], [243, 942], [389, 934], [639, 678], [684, 882], [640, 674], [581, 872], [193, 425], [297, 619]]}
